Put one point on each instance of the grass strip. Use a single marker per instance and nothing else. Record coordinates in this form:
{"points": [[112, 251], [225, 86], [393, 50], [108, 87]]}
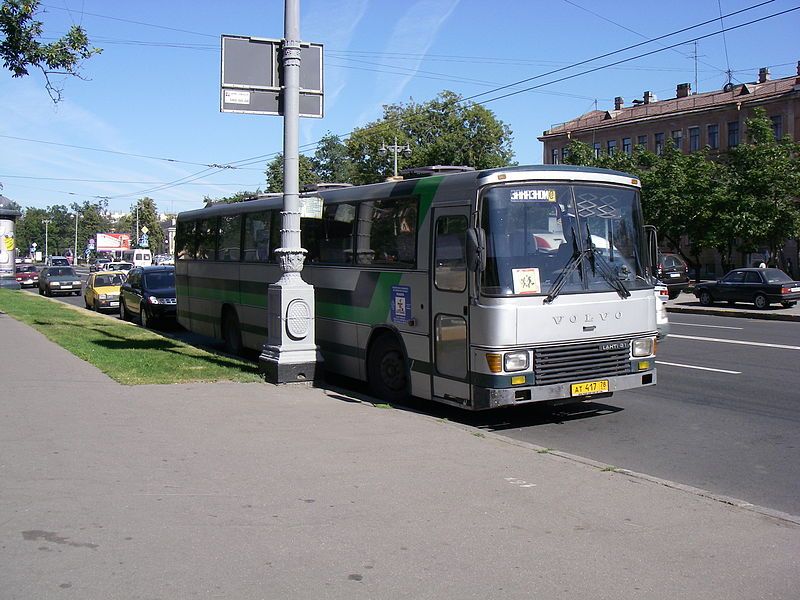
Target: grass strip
{"points": [[128, 354]]}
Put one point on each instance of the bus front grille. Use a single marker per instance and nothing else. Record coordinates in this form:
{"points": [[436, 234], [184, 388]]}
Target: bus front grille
{"points": [[581, 362]]}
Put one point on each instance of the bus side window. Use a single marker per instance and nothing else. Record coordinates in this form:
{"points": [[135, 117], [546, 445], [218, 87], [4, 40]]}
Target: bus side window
{"points": [[230, 238], [257, 236], [184, 240], [391, 233], [450, 264]]}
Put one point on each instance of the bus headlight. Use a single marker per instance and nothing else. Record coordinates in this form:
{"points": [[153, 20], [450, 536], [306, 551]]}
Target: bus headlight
{"points": [[643, 346], [515, 361]]}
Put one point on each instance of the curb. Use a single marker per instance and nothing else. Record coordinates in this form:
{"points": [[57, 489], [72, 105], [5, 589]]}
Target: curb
{"points": [[732, 312]]}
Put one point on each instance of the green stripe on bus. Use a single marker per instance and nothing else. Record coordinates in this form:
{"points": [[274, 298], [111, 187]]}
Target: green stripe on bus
{"points": [[426, 189], [376, 312]]}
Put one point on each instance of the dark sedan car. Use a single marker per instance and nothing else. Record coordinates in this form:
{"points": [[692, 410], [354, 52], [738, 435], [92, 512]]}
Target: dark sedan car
{"points": [[59, 280], [149, 293], [759, 286]]}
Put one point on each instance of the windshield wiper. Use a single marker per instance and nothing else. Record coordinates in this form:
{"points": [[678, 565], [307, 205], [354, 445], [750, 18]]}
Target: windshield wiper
{"points": [[598, 260], [573, 263]]}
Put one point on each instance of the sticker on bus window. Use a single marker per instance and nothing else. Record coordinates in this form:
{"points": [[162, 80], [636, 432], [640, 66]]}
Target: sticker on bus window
{"points": [[529, 195], [526, 281], [310, 207], [401, 304]]}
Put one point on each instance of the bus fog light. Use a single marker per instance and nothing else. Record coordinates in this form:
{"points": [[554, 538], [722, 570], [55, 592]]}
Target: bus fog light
{"points": [[518, 380], [643, 347], [515, 361], [644, 365], [495, 362]]}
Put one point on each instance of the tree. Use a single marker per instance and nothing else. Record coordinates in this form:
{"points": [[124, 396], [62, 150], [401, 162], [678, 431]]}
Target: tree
{"points": [[147, 217], [764, 186], [274, 173], [331, 162], [443, 131], [21, 46]]}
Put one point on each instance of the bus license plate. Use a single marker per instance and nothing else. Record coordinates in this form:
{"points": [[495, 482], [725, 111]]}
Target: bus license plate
{"points": [[589, 387]]}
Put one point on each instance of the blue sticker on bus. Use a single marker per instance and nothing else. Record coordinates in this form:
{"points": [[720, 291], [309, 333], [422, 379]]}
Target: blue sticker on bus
{"points": [[401, 304]]}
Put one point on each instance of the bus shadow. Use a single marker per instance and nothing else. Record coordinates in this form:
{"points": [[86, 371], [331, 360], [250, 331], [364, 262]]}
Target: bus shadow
{"points": [[501, 419]]}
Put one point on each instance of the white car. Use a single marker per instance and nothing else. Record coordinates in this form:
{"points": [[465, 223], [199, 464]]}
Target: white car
{"points": [[662, 322]]}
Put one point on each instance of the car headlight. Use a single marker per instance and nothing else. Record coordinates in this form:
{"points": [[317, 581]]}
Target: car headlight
{"points": [[152, 300], [643, 346], [515, 361], [102, 296], [55, 283]]}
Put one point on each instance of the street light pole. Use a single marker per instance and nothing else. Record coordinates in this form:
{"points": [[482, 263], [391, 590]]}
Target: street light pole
{"points": [[290, 354], [384, 150], [75, 253], [46, 223]]}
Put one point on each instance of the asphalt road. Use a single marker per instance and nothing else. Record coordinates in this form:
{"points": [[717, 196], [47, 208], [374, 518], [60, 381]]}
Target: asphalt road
{"points": [[725, 415]]}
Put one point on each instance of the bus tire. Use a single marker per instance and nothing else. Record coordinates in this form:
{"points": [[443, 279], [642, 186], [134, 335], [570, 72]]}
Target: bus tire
{"points": [[387, 369], [231, 332]]}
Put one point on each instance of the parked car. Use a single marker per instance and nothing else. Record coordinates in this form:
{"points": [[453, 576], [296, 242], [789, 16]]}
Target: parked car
{"points": [[98, 264], [672, 272], [26, 275], [57, 261], [59, 280], [759, 286], [102, 290], [149, 293]]}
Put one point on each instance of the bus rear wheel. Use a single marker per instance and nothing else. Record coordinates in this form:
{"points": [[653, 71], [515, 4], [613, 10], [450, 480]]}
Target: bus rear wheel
{"points": [[387, 370], [231, 333]]}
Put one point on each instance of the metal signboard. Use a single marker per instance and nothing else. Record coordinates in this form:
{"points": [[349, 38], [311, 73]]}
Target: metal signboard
{"points": [[251, 77]]}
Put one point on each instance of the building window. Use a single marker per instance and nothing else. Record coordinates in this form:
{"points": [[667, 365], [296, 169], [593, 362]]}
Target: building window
{"points": [[694, 139], [733, 134], [554, 156], [641, 141], [713, 136], [677, 139], [777, 126], [564, 154], [626, 146], [597, 149], [611, 147], [659, 138]]}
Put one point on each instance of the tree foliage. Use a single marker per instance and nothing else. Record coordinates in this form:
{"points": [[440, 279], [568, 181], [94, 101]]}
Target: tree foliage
{"points": [[21, 46], [147, 216], [274, 173]]}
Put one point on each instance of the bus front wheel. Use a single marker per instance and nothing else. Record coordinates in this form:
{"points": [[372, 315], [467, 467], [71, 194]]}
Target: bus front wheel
{"points": [[387, 371]]}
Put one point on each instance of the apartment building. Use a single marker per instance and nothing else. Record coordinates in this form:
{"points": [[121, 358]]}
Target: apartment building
{"points": [[693, 121]]}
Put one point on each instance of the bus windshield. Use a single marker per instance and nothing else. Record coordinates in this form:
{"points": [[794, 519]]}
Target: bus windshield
{"points": [[557, 238]]}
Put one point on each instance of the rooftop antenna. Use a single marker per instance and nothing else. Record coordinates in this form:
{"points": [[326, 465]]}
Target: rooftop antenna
{"points": [[728, 72]]}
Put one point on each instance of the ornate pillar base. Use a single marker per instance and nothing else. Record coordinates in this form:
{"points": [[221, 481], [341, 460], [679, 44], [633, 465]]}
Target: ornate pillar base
{"points": [[290, 354]]}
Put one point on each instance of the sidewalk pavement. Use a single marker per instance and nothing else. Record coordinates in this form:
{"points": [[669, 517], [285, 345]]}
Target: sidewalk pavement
{"points": [[688, 303], [243, 491]]}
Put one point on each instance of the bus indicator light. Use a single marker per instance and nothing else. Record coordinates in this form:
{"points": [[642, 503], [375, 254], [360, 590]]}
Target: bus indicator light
{"points": [[495, 362]]}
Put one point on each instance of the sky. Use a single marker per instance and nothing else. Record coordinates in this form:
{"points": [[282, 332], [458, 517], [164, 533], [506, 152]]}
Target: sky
{"points": [[144, 120]]}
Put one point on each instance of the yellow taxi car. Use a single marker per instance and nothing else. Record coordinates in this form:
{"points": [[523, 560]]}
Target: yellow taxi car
{"points": [[102, 290]]}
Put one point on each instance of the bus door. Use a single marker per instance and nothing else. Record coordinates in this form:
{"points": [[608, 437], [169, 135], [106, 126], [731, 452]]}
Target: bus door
{"points": [[449, 305]]}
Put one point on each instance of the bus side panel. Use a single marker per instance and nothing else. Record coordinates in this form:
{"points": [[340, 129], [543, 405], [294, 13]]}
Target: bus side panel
{"points": [[210, 285], [339, 343], [252, 302]]}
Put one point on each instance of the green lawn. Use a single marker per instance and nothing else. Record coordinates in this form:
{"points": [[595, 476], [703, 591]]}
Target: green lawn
{"points": [[129, 354]]}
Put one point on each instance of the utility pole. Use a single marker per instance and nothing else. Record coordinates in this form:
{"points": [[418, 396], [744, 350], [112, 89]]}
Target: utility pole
{"points": [[46, 223], [75, 254], [136, 241], [290, 354]]}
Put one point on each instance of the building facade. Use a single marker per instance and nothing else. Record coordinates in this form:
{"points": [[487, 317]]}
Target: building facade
{"points": [[692, 121]]}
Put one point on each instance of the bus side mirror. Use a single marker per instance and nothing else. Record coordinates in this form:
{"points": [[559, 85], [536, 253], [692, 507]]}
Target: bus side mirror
{"points": [[476, 249], [651, 241]]}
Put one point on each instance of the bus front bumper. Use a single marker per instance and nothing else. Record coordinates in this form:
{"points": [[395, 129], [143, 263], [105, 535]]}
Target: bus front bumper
{"points": [[486, 398]]}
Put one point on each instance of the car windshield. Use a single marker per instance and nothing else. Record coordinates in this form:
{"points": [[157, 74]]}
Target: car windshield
{"points": [[776, 276], [159, 280], [26, 269], [60, 261], [106, 280], [558, 238], [62, 272]]}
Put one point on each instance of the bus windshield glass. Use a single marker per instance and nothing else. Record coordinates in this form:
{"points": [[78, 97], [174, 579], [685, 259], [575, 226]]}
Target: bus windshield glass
{"points": [[551, 239]]}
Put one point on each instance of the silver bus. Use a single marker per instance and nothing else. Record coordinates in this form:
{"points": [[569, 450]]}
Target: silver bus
{"points": [[478, 289]]}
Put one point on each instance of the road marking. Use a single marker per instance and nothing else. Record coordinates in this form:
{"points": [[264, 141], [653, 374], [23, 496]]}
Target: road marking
{"points": [[670, 364], [698, 325], [738, 342]]}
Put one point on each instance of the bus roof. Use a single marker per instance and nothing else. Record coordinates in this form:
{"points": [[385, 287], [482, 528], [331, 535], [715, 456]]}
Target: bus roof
{"points": [[406, 187]]}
